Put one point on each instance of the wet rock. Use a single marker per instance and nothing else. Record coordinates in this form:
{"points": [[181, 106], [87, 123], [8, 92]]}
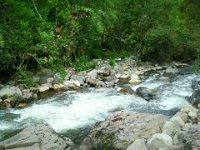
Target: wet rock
{"points": [[23, 105], [122, 128], [160, 141], [145, 93], [138, 144], [127, 90], [35, 96], [186, 70], [171, 72], [196, 84], [37, 137], [10, 91], [2, 104], [195, 98], [164, 79]]}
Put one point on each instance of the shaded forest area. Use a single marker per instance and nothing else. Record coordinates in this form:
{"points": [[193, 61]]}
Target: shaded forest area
{"points": [[59, 33]]}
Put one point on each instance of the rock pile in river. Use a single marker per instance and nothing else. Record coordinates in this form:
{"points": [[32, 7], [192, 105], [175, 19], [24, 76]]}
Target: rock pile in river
{"points": [[137, 131], [37, 137], [103, 75]]}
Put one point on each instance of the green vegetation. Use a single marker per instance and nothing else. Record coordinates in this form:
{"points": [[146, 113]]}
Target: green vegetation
{"points": [[54, 34]]}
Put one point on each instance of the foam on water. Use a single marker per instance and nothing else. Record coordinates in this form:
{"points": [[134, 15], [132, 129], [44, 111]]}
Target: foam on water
{"points": [[85, 108]]}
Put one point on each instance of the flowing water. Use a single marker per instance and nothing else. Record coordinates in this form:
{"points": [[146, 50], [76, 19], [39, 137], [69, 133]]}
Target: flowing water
{"points": [[73, 110]]}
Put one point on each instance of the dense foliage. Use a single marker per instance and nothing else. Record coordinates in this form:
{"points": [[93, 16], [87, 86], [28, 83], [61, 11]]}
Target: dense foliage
{"points": [[53, 33]]}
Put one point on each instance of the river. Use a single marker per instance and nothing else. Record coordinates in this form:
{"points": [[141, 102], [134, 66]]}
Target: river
{"points": [[73, 110]]}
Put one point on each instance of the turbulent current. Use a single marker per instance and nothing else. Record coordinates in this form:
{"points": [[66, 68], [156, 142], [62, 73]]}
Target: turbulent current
{"points": [[72, 110]]}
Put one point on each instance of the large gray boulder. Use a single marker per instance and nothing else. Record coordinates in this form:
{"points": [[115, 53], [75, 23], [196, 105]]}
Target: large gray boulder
{"points": [[190, 138], [122, 128], [79, 78], [194, 99], [145, 93], [138, 144], [171, 72], [106, 71], [10, 91], [160, 141], [37, 137]]}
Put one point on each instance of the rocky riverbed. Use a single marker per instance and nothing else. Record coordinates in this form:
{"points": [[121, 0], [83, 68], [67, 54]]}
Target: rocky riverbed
{"points": [[147, 107]]}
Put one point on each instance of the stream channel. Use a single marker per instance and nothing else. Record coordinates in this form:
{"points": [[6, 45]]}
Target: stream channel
{"points": [[72, 112]]}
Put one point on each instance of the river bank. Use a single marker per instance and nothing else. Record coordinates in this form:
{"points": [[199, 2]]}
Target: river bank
{"points": [[107, 90]]}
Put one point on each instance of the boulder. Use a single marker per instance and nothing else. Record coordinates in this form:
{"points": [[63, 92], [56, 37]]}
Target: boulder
{"points": [[122, 128], [125, 76], [134, 79], [164, 79], [27, 94], [190, 138], [37, 137], [186, 70], [196, 84], [95, 82], [106, 71], [170, 128], [87, 144], [118, 75], [178, 121], [160, 141], [195, 98], [50, 80], [179, 137], [145, 93], [57, 78], [182, 115], [44, 87], [58, 87], [127, 90], [188, 108], [10, 91], [138, 144], [79, 78], [71, 84], [92, 74], [171, 72]]}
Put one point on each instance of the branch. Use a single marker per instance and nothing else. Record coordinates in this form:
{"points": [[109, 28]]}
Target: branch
{"points": [[34, 4]]}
